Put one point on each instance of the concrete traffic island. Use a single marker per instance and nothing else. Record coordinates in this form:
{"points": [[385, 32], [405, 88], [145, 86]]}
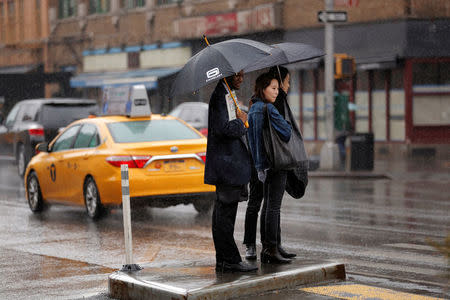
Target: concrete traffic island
{"points": [[199, 280]]}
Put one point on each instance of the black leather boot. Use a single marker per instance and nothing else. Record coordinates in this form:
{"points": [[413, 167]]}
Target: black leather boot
{"points": [[284, 253], [272, 255]]}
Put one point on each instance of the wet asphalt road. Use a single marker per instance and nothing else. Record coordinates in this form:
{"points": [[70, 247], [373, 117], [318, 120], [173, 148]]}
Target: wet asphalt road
{"points": [[378, 228]]}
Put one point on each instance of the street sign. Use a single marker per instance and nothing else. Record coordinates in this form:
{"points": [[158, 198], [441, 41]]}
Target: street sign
{"points": [[332, 16]]}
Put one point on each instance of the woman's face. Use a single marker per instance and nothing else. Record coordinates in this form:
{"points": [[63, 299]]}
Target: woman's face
{"points": [[271, 91], [286, 83]]}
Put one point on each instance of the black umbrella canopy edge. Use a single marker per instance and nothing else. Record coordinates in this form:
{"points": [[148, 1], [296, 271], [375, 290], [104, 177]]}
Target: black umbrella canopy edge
{"points": [[190, 78]]}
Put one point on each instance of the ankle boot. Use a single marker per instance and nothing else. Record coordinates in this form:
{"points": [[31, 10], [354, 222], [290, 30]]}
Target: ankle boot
{"points": [[284, 253], [272, 255]]}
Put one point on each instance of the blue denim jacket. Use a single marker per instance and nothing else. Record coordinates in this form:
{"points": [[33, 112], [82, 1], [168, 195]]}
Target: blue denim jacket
{"points": [[255, 137]]}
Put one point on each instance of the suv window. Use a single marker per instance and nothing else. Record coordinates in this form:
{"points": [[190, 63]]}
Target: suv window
{"points": [[194, 115], [57, 115], [87, 137], [11, 119], [150, 131], [28, 113], [65, 140]]}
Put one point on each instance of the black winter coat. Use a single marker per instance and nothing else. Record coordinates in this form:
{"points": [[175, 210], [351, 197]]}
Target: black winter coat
{"points": [[227, 156]]}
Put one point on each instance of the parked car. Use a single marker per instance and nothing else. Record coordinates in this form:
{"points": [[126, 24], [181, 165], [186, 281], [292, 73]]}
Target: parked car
{"points": [[38, 120], [193, 113], [82, 165]]}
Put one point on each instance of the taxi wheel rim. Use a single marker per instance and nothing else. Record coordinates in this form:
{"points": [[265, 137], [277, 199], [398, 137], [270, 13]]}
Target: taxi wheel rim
{"points": [[91, 198], [33, 192]]}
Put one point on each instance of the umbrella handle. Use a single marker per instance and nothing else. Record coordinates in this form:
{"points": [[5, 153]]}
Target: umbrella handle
{"points": [[235, 102]]}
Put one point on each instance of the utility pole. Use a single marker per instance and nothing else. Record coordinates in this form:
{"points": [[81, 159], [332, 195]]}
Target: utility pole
{"points": [[329, 154]]}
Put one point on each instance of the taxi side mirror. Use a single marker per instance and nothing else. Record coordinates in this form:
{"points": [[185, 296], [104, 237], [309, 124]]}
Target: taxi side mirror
{"points": [[42, 147]]}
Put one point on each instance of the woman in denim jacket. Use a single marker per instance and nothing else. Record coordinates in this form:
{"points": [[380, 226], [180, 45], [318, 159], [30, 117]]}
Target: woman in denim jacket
{"points": [[266, 91]]}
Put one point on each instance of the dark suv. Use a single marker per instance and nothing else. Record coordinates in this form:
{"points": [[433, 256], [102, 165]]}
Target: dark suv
{"points": [[39, 120]]}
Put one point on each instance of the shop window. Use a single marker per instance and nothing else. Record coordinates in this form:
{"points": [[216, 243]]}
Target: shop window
{"points": [[133, 60], [293, 96], [431, 93], [66, 8], [307, 90], [362, 102], [99, 6], [130, 4], [431, 74], [379, 105], [321, 116], [11, 8], [321, 105], [397, 106], [164, 2], [2, 28]]}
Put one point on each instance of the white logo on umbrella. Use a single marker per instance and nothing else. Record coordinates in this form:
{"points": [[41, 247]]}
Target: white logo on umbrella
{"points": [[212, 74]]}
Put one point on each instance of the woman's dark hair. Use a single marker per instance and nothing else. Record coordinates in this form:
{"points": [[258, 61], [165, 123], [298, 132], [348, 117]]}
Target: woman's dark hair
{"points": [[262, 82], [283, 72]]}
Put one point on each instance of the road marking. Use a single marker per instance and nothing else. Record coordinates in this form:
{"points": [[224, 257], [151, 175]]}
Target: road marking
{"points": [[360, 292]]}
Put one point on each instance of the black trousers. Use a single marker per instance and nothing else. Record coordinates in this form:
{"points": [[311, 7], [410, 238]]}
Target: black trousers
{"points": [[274, 187], [223, 220], [255, 199]]}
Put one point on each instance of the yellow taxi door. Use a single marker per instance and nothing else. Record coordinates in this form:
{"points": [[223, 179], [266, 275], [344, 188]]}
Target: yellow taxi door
{"points": [[82, 161], [61, 152], [47, 176]]}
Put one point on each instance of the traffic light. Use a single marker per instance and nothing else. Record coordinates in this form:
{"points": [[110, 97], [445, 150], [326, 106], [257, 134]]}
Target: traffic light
{"points": [[344, 66]]}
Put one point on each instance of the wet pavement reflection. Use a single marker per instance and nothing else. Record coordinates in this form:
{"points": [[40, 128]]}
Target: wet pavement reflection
{"points": [[377, 227]]}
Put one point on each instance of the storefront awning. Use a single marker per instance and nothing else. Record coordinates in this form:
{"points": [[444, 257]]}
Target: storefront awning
{"points": [[385, 61], [18, 69], [149, 78]]}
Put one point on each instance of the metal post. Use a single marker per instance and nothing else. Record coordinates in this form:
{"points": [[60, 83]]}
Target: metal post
{"points": [[129, 266], [329, 154]]}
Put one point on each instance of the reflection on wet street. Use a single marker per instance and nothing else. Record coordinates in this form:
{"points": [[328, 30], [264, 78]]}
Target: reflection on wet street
{"points": [[377, 227]]}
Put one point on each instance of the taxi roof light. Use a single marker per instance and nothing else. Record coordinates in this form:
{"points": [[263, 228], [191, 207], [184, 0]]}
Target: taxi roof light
{"points": [[131, 101]]}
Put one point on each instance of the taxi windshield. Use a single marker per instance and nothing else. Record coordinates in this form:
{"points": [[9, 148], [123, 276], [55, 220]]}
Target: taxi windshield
{"points": [[150, 131]]}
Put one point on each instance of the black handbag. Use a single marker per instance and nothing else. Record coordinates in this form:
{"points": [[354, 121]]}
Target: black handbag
{"points": [[282, 155], [296, 182]]}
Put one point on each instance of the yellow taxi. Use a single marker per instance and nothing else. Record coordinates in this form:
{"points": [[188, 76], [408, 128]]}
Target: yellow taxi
{"points": [[81, 166]]}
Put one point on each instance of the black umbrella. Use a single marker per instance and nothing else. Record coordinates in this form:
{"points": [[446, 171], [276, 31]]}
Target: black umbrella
{"points": [[217, 61], [286, 53]]}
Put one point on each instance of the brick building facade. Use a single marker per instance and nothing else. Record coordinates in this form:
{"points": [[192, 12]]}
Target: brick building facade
{"points": [[401, 91]]}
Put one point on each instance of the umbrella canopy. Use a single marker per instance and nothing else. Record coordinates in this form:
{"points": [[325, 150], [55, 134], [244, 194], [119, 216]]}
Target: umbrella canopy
{"points": [[286, 53], [217, 61]]}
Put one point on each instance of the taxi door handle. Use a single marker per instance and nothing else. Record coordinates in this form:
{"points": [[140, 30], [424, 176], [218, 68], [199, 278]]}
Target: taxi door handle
{"points": [[85, 156]]}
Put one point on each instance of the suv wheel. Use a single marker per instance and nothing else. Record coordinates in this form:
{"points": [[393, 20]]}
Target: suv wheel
{"points": [[34, 195], [94, 207], [21, 160]]}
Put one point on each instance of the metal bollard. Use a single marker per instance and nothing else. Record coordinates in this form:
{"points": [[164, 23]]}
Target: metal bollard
{"points": [[126, 211]]}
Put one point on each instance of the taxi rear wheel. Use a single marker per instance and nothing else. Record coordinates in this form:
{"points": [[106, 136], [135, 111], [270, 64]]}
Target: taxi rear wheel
{"points": [[34, 194], [94, 207]]}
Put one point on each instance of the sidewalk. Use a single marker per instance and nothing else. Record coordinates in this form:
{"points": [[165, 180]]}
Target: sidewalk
{"points": [[409, 168], [199, 280]]}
